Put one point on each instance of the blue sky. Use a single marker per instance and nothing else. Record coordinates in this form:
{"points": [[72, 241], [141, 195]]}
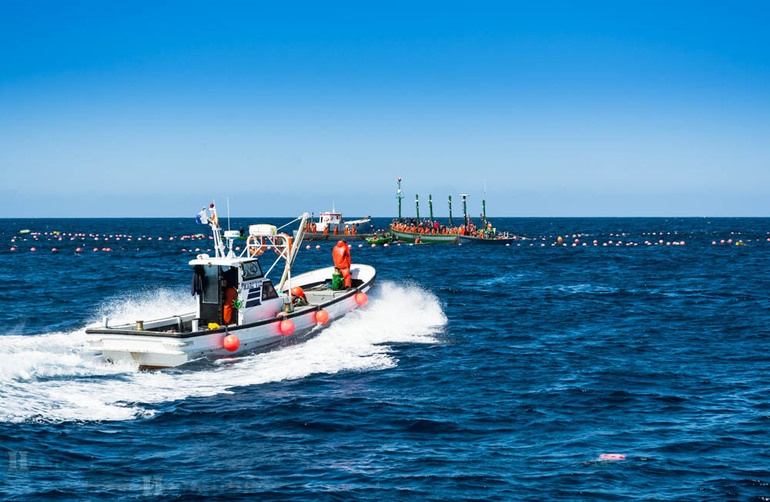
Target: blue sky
{"points": [[562, 108]]}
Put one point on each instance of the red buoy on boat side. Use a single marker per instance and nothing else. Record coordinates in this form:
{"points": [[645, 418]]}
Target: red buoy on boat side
{"points": [[361, 299], [286, 327], [322, 317], [231, 343]]}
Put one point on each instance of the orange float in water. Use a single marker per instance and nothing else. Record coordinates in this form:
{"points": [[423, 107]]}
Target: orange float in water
{"points": [[559, 239], [322, 317], [286, 327], [231, 343], [612, 456], [361, 299]]}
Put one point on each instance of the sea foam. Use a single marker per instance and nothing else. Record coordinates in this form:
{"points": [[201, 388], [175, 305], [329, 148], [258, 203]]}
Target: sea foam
{"points": [[53, 377]]}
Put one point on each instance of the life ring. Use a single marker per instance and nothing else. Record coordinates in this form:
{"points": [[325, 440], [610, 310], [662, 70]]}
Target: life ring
{"points": [[287, 242], [255, 245]]}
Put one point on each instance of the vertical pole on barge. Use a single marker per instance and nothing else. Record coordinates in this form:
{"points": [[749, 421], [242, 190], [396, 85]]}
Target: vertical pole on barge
{"points": [[430, 204], [484, 208], [450, 212], [465, 208], [399, 197], [417, 204]]}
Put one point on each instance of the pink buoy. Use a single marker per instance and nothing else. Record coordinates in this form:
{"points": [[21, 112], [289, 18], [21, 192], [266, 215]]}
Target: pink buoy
{"points": [[361, 299], [32, 249], [321, 317], [231, 343], [318, 246], [612, 456], [286, 327]]}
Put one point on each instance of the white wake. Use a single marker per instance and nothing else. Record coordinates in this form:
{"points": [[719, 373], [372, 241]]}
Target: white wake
{"points": [[52, 378]]}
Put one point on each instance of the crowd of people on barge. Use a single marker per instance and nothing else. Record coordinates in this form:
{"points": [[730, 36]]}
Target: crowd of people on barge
{"points": [[424, 226]]}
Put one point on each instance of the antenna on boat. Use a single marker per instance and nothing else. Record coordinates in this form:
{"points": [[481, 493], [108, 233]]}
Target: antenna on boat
{"points": [[228, 213], [465, 208], [484, 207], [399, 196]]}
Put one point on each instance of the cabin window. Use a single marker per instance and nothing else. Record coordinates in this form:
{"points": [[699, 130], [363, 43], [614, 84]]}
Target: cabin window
{"points": [[268, 291], [251, 270], [211, 285]]}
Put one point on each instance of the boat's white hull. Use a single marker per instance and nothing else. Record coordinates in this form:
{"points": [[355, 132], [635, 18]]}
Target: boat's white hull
{"points": [[154, 350]]}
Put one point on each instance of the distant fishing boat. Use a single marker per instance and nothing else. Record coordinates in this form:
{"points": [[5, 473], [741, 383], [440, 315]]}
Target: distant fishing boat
{"points": [[497, 240], [430, 232], [238, 308], [379, 240], [418, 238], [327, 221]]}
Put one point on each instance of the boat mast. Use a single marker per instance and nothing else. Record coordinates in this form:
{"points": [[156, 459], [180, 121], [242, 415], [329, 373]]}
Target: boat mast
{"points": [[399, 196], [219, 246], [450, 212], [417, 204], [430, 204], [484, 208], [465, 208]]}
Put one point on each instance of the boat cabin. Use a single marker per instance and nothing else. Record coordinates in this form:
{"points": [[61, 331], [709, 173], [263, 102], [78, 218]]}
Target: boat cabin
{"points": [[256, 295], [328, 220]]}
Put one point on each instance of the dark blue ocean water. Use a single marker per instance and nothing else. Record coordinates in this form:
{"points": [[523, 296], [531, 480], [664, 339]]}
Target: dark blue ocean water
{"points": [[474, 373]]}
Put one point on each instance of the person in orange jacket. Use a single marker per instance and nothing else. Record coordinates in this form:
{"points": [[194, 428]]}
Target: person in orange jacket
{"points": [[230, 279], [341, 255]]}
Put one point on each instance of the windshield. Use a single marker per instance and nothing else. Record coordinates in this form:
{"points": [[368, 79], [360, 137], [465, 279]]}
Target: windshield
{"points": [[251, 270]]}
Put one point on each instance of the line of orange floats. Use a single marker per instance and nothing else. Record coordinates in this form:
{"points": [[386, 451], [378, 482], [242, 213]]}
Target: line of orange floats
{"points": [[560, 241], [573, 240]]}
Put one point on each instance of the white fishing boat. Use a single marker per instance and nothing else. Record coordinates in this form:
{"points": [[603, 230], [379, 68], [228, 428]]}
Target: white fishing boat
{"points": [[261, 314], [331, 219]]}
